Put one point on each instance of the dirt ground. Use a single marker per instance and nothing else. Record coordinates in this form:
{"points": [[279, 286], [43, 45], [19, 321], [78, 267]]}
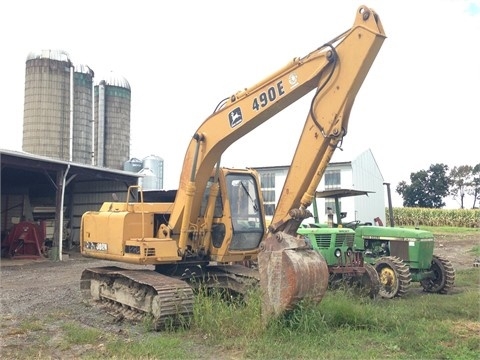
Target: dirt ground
{"points": [[39, 297], [457, 249]]}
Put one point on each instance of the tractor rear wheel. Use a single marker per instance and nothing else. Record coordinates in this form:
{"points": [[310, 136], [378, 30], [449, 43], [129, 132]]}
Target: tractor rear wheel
{"points": [[443, 276], [394, 275]]}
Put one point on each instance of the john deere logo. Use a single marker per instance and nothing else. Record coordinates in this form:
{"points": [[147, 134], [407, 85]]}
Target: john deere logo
{"points": [[235, 117]]}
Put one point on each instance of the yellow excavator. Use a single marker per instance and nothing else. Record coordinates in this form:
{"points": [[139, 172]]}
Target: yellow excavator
{"points": [[216, 219]]}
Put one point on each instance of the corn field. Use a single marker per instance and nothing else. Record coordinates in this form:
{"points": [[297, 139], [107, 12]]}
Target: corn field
{"points": [[435, 217]]}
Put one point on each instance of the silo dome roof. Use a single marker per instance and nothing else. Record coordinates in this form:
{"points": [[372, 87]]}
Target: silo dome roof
{"points": [[59, 55], [153, 157], [114, 79], [84, 69]]}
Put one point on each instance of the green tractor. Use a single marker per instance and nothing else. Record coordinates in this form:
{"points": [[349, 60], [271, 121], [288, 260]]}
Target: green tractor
{"points": [[346, 266], [400, 255]]}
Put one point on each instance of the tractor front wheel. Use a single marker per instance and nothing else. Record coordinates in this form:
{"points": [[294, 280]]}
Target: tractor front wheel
{"points": [[370, 281], [394, 275], [443, 276]]}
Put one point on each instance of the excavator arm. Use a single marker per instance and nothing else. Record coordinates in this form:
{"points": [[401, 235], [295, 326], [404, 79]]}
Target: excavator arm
{"points": [[336, 70], [346, 66]]}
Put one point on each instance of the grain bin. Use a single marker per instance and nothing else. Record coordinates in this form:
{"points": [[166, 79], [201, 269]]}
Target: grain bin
{"points": [[153, 173], [112, 121], [147, 180], [133, 165], [46, 119]]}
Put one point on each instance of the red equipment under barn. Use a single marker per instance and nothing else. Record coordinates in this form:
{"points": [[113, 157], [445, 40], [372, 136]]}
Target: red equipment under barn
{"points": [[25, 240]]}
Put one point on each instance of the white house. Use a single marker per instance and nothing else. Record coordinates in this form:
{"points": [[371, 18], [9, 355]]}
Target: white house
{"points": [[362, 173]]}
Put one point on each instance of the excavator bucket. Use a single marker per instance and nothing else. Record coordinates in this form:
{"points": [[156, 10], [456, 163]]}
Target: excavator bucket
{"points": [[290, 271]]}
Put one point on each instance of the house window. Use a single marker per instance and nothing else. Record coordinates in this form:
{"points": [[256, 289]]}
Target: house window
{"points": [[267, 181], [269, 209], [332, 179], [268, 196]]}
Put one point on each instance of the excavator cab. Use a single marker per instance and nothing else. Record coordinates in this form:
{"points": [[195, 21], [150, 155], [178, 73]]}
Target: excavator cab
{"points": [[246, 212], [238, 221]]}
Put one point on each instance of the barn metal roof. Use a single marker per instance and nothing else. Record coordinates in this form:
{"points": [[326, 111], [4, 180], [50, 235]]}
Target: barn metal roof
{"points": [[23, 168]]}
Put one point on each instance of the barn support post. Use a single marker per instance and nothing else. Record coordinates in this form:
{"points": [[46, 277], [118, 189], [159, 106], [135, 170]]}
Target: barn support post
{"points": [[56, 250]]}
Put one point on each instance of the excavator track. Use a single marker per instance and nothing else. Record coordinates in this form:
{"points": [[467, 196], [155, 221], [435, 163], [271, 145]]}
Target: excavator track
{"points": [[168, 299], [237, 279], [137, 293]]}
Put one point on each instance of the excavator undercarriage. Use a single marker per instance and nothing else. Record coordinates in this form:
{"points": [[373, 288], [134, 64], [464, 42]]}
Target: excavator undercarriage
{"points": [[168, 298], [289, 270]]}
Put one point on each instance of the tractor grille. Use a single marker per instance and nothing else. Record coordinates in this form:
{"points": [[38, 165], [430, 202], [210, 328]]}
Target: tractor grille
{"points": [[345, 239], [323, 240], [341, 239]]}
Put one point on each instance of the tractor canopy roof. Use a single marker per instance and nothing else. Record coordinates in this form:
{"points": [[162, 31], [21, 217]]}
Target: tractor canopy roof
{"points": [[339, 193]]}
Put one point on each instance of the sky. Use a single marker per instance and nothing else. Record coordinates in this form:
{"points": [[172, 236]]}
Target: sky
{"points": [[419, 104]]}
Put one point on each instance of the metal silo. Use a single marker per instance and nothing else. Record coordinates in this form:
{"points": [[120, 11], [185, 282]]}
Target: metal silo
{"points": [[153, 168], [46, 119], [112, 122], [133, 165], [82, 114], [148, 180]]}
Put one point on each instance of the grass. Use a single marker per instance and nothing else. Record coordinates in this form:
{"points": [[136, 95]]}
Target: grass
{"points": [[342, 326], [75, 334], [475, 250]]}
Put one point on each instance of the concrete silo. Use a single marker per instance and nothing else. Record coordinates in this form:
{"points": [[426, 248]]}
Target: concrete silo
{"points": [[82, 114], [46, 119], [57, 94], [112, 122]]}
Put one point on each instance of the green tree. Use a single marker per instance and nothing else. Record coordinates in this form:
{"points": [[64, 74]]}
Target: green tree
{"points": [[461, 181], [427, 188], [474, 189]]}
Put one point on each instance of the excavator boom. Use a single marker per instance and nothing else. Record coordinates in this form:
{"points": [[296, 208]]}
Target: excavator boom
{"points": [[327, 122]]}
